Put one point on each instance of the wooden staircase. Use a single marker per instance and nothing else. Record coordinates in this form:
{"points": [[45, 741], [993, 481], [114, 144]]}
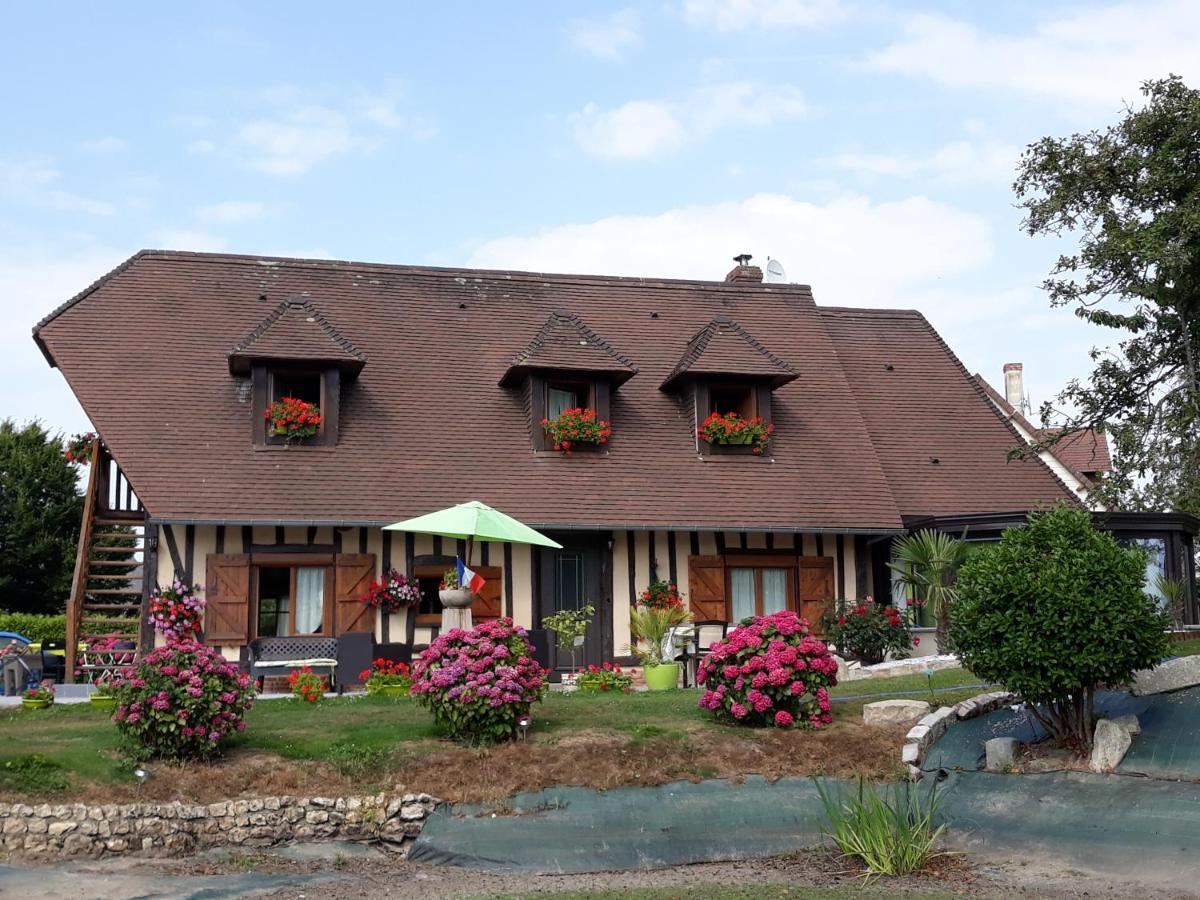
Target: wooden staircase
{"points": [[107, 593]]}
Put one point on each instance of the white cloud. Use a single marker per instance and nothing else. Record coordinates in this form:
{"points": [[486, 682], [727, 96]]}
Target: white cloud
{"points": [[739, 15], [852, 251], [294, 143], [645, 128], [1095, 55], [959, 162], [107, 144], [231, 212], [185, 239], [607, 38], [34, 181]]}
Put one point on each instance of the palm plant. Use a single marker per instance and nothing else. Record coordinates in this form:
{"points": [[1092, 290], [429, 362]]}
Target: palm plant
{"points": [[928, 563], [1174, 595]]}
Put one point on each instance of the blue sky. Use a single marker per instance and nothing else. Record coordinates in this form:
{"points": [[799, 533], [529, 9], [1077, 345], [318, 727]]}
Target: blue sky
{"points": [[869, 146]]}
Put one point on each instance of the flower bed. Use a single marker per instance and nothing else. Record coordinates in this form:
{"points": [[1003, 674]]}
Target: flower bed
{"points": [[480, 683], [606, 677], [769, 671], [576, 426], [731, 428], [294, 419]]}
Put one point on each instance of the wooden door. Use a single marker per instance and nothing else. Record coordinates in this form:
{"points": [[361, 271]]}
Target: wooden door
{"points": [[816, 589]]}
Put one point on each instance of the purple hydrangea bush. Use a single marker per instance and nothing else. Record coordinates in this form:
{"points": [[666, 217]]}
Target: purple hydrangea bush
{"points": [[479, 683], [181, 702], [769, 671]]}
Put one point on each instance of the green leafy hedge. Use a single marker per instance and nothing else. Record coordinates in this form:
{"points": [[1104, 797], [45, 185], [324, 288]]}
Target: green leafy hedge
{"points": [[54, 628]]}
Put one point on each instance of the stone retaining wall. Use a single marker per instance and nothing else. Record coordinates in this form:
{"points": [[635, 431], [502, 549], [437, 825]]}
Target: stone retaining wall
{"points": [[925, 733], [175, 829]]}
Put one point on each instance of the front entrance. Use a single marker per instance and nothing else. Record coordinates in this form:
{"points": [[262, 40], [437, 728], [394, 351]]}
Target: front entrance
{"points": [[578, 574]]}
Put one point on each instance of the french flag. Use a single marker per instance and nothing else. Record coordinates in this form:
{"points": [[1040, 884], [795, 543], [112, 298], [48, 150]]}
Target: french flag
{"points": [[470, 579]]}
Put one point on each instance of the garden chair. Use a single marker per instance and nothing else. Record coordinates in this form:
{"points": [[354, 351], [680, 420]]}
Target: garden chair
{"points": [[696, 648]]}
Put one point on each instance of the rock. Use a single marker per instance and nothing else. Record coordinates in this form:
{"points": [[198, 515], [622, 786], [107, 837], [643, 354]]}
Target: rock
{"points": [[911, 754], [894, 712], [918, 734], [1109, 745], [412, 812], [1172, 675], [1000, 753], [1129, 723]]}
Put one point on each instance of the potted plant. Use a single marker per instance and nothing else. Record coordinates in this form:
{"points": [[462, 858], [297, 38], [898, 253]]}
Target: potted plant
{"points": [[451, 594], [607, 677], [569, 627], [177, 610], [732, 429], [576, 427], [392, 592], [79, 448], [38, 697], [660, 610], [104, 695], [388, 678], [293, 419], [306, 685]]}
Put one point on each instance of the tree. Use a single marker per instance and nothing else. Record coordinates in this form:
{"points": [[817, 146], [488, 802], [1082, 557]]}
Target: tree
{"points": [[40, 512], [1051, 611], [928, 563], [1131, 194]]}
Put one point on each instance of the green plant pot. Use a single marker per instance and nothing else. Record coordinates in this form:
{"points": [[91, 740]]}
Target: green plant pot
{"points": [[589, 688], [662, 678], [35, 704], [372, 688], [102, 702], [393, 690]]}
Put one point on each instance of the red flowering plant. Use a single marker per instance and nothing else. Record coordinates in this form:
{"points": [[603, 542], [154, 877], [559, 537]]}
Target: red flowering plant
{"points": [[177, 610], [306, 685], [606, 677], [181, 702], [294, 419], [386, 673], [661, 595], [480, 684], [769, 671], [731, 428], [44, 691], [868, 631], [79, 448], [392, 592], [576, 426]]}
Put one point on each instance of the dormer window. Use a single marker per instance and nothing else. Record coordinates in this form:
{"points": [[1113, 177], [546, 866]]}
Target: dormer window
{"points": [[566, 366], [727, 371], [296, 353]]}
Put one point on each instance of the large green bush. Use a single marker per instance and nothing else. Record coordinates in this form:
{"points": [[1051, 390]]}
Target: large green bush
{"points": [[40, 628], [1052, 611]]}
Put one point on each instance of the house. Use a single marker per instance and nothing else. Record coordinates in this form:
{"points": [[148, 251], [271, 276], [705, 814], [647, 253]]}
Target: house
{"points": [[433, 384]]}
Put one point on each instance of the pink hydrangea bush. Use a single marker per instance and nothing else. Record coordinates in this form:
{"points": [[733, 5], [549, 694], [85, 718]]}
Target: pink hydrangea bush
{"points": [[479, 683], [769, 671], [181, 702]]}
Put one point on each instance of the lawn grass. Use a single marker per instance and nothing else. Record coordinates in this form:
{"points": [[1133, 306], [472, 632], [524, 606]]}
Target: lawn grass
{"points": [[1185, 648], [369, 741]]}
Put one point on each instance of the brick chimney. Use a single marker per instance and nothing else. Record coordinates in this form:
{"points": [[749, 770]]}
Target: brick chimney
{"points": [[743, 271], [1014, 385]]}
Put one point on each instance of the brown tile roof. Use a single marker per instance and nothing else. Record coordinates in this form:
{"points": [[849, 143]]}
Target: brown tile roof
{"points": [[723, 347], [295, 331], [564, 343], [425, 424], [943, 446], [1085, 453]]}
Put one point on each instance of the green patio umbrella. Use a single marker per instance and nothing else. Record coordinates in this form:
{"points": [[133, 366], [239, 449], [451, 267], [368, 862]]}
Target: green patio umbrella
{"points": [[474, 521]]}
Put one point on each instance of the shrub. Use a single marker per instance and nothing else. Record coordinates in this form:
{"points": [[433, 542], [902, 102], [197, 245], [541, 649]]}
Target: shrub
{"points": [[570, 627], [306, 686], [769, 671], [182, 701], [868, 631], [607, 677], [479, 683], [177, 610], [1053, 610], [32, 774], [891, 832], [41, 628]]}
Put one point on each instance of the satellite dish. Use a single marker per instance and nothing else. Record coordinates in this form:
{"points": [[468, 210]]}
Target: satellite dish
{"points": [[775, 273]]}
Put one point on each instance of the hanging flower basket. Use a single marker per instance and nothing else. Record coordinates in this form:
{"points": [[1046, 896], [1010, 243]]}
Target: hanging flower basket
{"points": [[293, 419], [731, 429], [576, 428], [176, 611], [79, 448], [392, 592]]}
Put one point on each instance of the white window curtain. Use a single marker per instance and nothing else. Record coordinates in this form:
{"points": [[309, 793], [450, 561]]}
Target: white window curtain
{"points": [[310, 599], [742, 581], [558, 401], [774, 590]]}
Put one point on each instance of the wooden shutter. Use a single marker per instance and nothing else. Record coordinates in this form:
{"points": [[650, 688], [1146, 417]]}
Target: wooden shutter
{"points": [[706, 588], [489, 603], [816, 588], [352, 575], [227, 599]]}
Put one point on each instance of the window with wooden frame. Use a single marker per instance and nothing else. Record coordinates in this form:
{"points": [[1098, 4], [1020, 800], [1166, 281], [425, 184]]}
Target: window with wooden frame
{"points": [[730, 587], [552, 393], [291, 600], [747, 398], [319, 385], [488, 604]]}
